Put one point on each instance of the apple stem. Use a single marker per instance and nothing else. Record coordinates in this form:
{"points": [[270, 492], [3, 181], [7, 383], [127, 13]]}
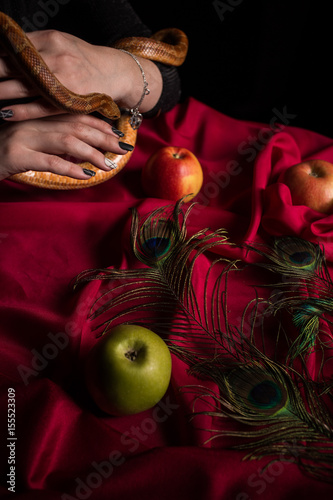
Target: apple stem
{"points": [[131, 355]]}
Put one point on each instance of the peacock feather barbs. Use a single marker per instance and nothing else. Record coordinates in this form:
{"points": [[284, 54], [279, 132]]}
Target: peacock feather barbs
{"points": [[304, 288], [264, 405]]}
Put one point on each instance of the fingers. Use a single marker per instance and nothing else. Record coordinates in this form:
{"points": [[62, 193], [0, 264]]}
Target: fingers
{"points": [[90, 120], [83, 143], [48, 144], [14, 89], [7, 70], [14, 85], [38, 108], [90, 131], [51, 163]]}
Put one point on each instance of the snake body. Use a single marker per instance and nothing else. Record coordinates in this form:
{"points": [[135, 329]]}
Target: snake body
{"points": [[166, 46]]}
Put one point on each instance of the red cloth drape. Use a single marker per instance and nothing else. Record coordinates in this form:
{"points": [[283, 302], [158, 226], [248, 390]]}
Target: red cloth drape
{"points": [[65, 448]]}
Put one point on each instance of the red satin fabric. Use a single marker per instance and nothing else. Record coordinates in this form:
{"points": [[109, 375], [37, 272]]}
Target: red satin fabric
{"points": [[65, 448]]}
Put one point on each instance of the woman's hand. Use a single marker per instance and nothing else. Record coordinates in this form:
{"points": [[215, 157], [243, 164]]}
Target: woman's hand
{"points": [[81, 67], [39, 144]]}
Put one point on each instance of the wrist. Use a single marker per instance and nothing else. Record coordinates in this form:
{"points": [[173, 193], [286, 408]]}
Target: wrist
{"points": [[141, 83], [136, 117]]}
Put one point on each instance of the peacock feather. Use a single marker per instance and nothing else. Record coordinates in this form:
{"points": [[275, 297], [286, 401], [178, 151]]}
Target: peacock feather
{"points": [[179, 289], [161, 293], [279, 411], [291, 257], [304, 287]]}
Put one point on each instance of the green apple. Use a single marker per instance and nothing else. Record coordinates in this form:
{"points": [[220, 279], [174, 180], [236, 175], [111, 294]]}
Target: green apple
{"points": [[128, 370]]}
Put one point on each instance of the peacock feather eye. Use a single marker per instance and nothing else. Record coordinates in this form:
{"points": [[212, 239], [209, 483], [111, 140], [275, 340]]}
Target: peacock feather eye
{"points": [[299, 253], [301, 258], [156, 240], [256, 391], [265, 395], [156, 247]]}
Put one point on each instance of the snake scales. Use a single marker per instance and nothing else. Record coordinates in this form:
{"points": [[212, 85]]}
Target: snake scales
{"points": [[168, 46]]}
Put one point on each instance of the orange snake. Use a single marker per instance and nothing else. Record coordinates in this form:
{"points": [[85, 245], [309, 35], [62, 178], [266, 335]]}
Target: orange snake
{"points": [[168, 46]]}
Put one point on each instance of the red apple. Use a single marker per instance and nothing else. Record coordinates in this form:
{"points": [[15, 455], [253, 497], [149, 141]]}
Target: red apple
{"points": [[311, 184], [171, 173]]}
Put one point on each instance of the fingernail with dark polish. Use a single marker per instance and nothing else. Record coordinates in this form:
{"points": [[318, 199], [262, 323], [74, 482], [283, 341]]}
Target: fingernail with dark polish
{"points": [[125, 146], [91, 173], [118, 132], [6, 113]]}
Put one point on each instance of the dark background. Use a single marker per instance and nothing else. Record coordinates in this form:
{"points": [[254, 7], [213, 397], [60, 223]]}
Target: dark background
{"points": [[255, 56]]}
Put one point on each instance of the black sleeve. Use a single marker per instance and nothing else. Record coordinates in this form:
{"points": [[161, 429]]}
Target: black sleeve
{"points": [[171, 91]]}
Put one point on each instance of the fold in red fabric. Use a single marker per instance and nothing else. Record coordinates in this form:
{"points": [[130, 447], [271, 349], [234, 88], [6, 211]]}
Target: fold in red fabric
{"points": [[62, 446]]}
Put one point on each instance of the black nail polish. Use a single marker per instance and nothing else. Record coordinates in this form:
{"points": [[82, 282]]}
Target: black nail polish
{"points": [[125, 146], [118, 132], [91, 173], [6, 113]]}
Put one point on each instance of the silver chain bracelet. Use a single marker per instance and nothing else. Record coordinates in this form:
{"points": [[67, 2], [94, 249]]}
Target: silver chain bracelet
{"points": [[136, 116]]}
